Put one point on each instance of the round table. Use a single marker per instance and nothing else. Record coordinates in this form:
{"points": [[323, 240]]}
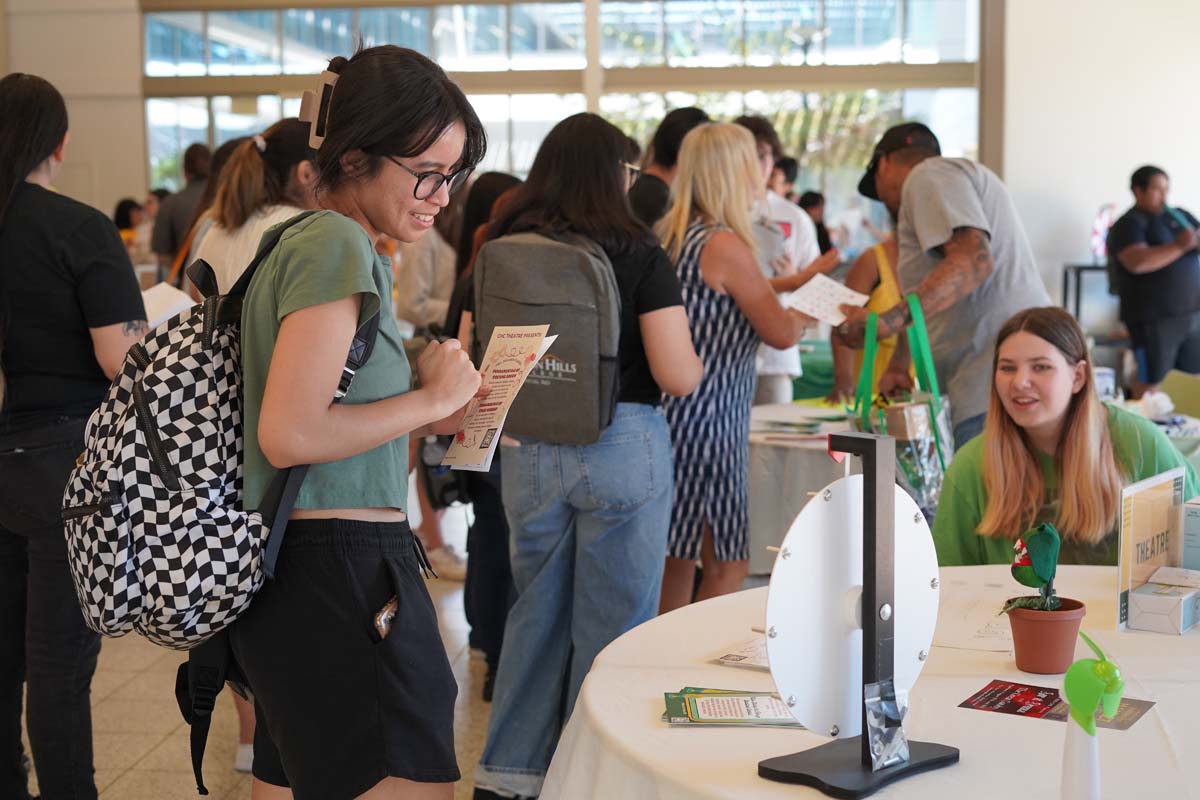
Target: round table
{"points": [[616, 746]]}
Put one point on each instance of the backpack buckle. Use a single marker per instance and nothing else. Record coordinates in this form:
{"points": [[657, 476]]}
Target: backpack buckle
{"points": [[204, 693], [344, 383]]}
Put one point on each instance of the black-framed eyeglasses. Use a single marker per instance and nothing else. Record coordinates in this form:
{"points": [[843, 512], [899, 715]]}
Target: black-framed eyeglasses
{"points": [[428, 183]]}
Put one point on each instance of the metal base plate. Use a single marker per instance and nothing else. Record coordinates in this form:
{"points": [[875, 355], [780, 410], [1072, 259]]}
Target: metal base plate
{"points": [[837, 769]]}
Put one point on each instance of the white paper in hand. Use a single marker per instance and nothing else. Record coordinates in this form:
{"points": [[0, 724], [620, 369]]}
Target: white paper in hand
{"points": [[820, 298], [164, 301]]}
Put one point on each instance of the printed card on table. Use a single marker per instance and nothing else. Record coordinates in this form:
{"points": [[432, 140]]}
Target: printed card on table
{"points": [[510, 356], [820, 298], [1044, 702]]}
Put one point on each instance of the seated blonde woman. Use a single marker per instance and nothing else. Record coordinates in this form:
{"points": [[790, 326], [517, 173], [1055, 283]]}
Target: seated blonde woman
{"points": [[1050, 452]]}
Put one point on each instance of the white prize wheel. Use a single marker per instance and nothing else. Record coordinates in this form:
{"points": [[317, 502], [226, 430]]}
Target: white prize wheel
{"points": [[814, 607]]}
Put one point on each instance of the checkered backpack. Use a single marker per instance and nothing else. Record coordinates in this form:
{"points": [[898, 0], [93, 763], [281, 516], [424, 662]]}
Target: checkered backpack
{"points": [[157, 538]]}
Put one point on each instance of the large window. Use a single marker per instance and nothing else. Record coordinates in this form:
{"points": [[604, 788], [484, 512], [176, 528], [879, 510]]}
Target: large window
{"points": [[175, 44], [523, 66], [173, 125], [831, 134]]}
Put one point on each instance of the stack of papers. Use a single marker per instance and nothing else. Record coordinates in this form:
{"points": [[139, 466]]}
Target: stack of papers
{"points": [[692, 706]]}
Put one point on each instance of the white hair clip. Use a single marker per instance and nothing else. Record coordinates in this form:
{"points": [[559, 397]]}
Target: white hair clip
{"points": [[314, 108], [260, 142]]}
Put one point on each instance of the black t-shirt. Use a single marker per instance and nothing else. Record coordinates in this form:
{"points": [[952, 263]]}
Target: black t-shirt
{"points": [[1171, 291], [63, 269], [647, 282], [650, 198]]}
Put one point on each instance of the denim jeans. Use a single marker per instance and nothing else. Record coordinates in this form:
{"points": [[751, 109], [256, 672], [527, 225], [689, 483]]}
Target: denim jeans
{"points": [[488, 590], [589, 538], [45, 647]]}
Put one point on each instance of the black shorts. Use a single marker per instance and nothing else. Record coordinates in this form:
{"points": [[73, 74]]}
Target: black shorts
{"points": [[1165, 344], [338, 708]]}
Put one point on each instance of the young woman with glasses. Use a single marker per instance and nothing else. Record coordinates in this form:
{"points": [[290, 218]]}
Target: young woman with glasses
{"points": [[347, 705]]}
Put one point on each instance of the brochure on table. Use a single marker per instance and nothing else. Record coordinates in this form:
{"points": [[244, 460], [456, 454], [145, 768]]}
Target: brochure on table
{"points": [[510, 356], [969, 617], [1044, 702], [693, 706], [1151, 533], [750, 654]]}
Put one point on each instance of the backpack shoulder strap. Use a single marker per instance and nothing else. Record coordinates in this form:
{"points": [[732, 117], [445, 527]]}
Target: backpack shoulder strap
{"points": [[281, 495], [197, 683]]}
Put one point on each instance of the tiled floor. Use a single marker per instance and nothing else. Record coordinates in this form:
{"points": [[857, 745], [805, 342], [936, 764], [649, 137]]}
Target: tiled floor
{"points": [[141, 741]]}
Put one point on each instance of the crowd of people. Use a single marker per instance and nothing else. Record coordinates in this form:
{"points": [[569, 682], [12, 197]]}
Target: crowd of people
{"points": [[571, 545]]}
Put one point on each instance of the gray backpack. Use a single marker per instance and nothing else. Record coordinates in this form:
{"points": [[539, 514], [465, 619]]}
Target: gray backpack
{"points": [[567, 283]]}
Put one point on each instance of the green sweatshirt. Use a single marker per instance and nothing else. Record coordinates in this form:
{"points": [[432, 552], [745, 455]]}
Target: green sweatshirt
{"points": [[1141, 448]]}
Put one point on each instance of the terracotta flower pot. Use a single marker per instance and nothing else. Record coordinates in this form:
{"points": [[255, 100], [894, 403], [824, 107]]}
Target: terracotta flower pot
{"points": [[1044, 641]]}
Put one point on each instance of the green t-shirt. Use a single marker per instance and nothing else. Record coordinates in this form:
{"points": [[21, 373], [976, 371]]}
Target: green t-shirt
{"points": [[322, 259], [1140, 447]]}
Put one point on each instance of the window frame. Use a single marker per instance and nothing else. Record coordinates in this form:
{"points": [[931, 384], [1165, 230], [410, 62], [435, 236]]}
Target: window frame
{"points": [[594, 80]]}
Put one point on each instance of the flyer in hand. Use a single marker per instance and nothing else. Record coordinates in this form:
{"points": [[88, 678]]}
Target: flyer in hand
{"points": [[821, 297], [510, 356]]}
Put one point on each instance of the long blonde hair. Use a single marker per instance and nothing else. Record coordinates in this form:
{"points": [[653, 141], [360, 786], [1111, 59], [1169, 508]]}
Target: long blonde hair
{"points": [[718, 179], [1089, 477]]}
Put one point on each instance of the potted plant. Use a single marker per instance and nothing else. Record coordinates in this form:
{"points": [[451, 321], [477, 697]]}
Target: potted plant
{"points": [[1044, 626]]}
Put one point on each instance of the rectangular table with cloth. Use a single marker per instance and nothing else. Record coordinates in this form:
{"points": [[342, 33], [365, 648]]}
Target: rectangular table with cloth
{"points": [[784, 468], [616, 746]]}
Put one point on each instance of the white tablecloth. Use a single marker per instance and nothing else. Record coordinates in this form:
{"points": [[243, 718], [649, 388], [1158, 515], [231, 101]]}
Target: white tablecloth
{"points": [[616, 746], [783, 470]]}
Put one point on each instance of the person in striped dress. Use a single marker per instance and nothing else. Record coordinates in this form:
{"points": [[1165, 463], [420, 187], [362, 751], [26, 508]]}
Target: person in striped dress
{"points": [[731, 308]]}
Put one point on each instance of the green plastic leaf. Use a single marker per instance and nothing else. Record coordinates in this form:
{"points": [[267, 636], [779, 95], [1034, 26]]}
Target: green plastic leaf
{"points": [[1044, 543]]}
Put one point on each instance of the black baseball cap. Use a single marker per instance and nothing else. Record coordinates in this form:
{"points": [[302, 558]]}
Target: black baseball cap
{"points": [[897, 137]]}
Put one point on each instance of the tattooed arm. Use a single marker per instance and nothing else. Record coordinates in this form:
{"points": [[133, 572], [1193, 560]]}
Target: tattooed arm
{"points": [[966, 264], [112, 342]]}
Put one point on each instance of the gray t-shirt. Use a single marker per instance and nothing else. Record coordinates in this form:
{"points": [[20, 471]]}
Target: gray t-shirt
{"points": [[940, 195], [171, 224]]}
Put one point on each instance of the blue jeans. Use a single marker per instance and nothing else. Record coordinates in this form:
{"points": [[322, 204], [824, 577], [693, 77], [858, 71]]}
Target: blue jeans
{"points": [[967, 430], [588, 541]]}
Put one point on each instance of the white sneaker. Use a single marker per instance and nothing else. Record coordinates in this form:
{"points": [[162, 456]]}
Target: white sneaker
{"points": [[447, 563], [244, 759]]}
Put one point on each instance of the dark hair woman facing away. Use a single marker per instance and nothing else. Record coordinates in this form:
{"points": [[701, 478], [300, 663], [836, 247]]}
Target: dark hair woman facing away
{"points": [[69, 310], [588, 523], [347, 708]]}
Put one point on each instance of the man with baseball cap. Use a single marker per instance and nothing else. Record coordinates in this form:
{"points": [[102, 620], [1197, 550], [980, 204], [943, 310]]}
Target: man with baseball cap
{"points": [[963, 252]]}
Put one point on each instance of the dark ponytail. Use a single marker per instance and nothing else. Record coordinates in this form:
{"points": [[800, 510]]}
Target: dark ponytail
{"points": [[391, 101], [33, 123], [259, 172]]}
